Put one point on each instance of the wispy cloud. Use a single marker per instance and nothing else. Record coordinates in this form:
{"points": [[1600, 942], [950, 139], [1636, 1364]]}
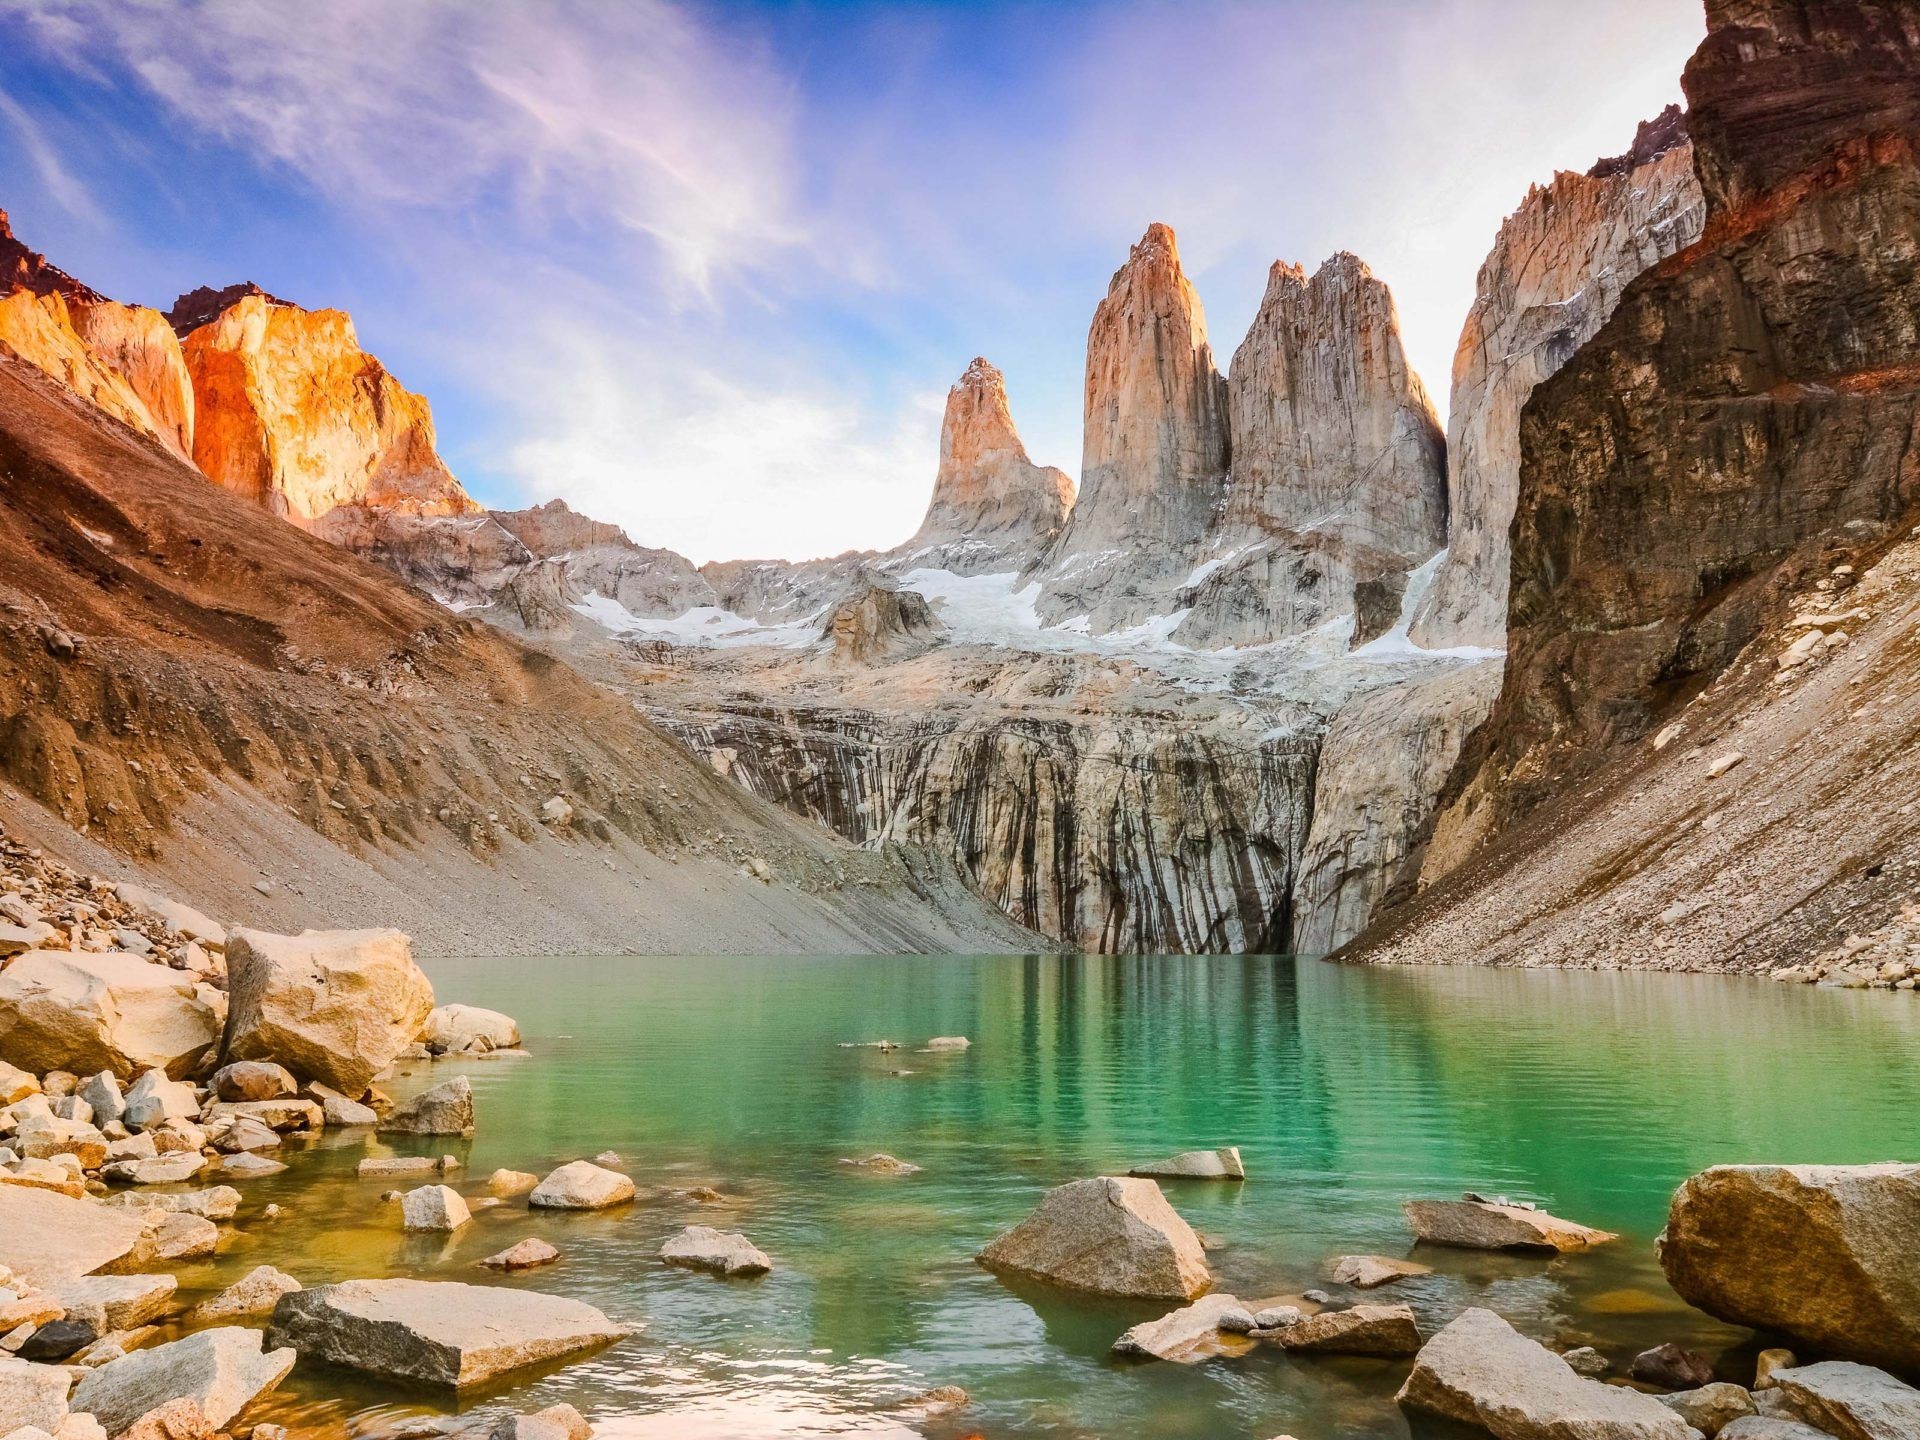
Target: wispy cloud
{"points": [[68, 192]]}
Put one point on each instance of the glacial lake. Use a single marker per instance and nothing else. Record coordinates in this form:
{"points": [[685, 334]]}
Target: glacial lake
{"points": [[1347, 1090]]}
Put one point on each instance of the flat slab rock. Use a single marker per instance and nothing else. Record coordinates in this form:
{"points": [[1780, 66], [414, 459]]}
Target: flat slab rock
{"points": [[1490, 1225], [1363, 1330], [1222, 1164], [45, 1235], [114, 1302], [1370, 1272], [224, 1370], [1480, 1371], [1188, 1335], [1108, 1236], [437, 1332], [722, 1252]]}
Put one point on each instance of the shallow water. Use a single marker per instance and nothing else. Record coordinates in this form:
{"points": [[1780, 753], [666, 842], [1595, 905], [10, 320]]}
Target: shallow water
{"points": [[1347, 1089]]}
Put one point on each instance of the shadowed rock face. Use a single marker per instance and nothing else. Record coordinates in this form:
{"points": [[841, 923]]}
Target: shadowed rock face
{"points": [[1753, 404], [988, 496], [881, 623], [1555, 274]]}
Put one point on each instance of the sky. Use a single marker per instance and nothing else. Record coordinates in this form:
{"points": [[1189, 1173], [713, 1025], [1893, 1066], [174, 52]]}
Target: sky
{"points": [[707, 270]]}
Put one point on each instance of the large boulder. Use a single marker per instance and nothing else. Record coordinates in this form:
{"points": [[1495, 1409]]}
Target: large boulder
{"points": [[1477, 1224], [337, 1006], [451, 1029], [1480, 1371], [225, 1370], [1826, 1254], [436, 1332], [85, 1012], [1852, 1402], [1110, 1236], [45, 1235]]}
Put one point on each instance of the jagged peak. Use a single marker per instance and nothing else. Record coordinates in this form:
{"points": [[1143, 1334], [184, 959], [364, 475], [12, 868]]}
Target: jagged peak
{"points": [[1157, 249], [1654, 138], [204, 305], [22, 268], [980, 374]]}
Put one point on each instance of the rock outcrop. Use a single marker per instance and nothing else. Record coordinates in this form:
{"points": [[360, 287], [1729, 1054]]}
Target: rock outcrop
{"points": [[990, 501], [1557, 270], [124, 358], [1155, 449], [292, 414], [1828, 1255], [881, 623]]}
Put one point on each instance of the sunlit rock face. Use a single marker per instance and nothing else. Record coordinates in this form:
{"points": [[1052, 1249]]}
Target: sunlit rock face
{"points": [[1339, 466], [291, 413], [1154, 451], [123, 358], [990, 501], [1556, 272]]}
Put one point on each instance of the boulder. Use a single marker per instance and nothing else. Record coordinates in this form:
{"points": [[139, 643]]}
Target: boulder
{"points": [[154, 1099], [1110, 1236], [69, 1009], [1480, 1371], [1223, 1164], [44, 1235], [454, 1028], [581, 1185], [44, 1136], [253, 1080], [32, 1395], [1710, 1408], [1363, 1330], [444, 1110], [1476, 1224], [436, 1332], [113, 1302], [434, 1208], [1370, 1272], [337, 1006], [160, 1170], [180, 1236], [1767, 1427], [506, 1183], [1851, 1402], [1828, 1255], [526, 1255], [1672, 1367], [232, 1134], [224, 1370], [721, 1252], [338, 1111], [103, 1095], [255, 1293], [16, 1084], [1188, 1335]]}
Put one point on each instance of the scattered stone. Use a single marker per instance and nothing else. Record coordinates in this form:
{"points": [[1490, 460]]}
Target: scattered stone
{"points": [[1223, 1164], [1585, 1360], [434, 1207], [254, 1080], [722, 1252], [949, 1042], [154, 1099], [338, 1111], [1477, 1224], [1672, 1367], [508, 1183], [1276, 1317], [526, 1255], [581, 1185], [1711, 1408], [1724, 763], [1852, 1402], [1828, 1255], [436, 1332], [1363, 1330], [453, 1029], [1108, 1235], [444, 1110], [1370, 1272], [881, 1163], [1768, 1362], [1480, 1371], [224, 1370], [255, 1293], [1187, 1335], [336, 1006]]}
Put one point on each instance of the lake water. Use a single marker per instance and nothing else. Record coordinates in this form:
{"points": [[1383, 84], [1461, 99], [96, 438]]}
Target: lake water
{"points": [[1347, 1090]]}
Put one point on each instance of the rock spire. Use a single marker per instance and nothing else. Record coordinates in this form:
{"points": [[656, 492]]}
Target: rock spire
{"points": [[987, 489]]}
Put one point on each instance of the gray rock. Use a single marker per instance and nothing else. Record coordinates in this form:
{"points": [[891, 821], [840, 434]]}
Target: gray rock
{"points": [[1187, 1335], [434, 1208], [1222, 1164], [1711, 1408], [114, 1302], [1853, 1402], [1370, 1272], [1480, 1371], [32, 1395], [1476, 1224], [1363, 1330], [1585, 1360], [722, 1252], [103, 1093], [1110, 1236], [436, 1332], [153, 1099], [444, 1110], [581, 1185], [224, 1370], [529, 1253], [255, 1293]]}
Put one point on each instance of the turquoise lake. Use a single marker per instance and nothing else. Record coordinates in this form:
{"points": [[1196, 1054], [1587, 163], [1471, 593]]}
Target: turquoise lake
{"points": [[1348, 1090]]}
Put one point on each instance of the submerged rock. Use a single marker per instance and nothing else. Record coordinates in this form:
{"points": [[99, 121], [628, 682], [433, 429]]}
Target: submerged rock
{"points": [[1188, 1335], [1108, 1235], [1222, 1164], [881, 1163], [1370, 1272], [437, 1332], [722, 1252], [1825, 1254], [1476, 1224], [526, 1255]]}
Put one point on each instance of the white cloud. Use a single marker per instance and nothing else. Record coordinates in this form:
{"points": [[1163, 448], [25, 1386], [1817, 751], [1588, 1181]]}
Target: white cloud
{"points": [[65, 188]]}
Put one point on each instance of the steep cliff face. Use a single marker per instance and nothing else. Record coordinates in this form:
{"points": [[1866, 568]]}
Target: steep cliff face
{"points": [[124, 358], [990, 502], [1701, 485], [1556, 272], [1339, 467], [1154, 452], [293, 415]]}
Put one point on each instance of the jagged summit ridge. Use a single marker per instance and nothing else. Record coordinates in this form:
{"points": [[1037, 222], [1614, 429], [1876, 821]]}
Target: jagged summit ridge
{"points": [[204, 305]]}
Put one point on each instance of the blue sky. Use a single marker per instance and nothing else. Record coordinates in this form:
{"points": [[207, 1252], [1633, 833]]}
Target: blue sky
{"points": [[707, 270]]}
